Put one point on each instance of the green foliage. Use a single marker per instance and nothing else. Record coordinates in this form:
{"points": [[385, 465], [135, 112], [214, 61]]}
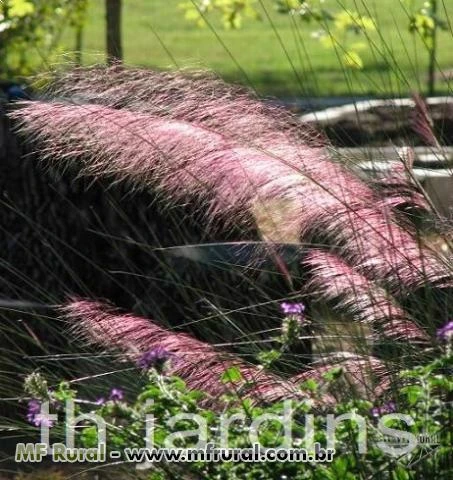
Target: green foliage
{"points": [[424, 394], [345, 31], [424, 20], [232, 375], [338, 30], [232, 12], [291, 330], [394, 66], [36, 386], [30, 31], [335, 27], [268, 357]]}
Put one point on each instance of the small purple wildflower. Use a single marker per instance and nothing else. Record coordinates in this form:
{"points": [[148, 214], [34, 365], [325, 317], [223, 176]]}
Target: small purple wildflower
{"points": [[34, 409], [446, 332], [292, 323], [43, 421], [389, 407], [116, 394], [34, 415], [154, 358], [375, 411], [289, 308], [100, 401]]}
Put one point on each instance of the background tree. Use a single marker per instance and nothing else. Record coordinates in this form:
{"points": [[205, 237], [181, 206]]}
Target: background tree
{"points": [[113, 12], [30, 32], [338, 28], [426, 23], [335, 29], [79, 23]]}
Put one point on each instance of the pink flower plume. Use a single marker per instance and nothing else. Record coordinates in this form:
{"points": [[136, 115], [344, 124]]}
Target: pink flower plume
{"points": [[362, 373], [229, 154], [198, 363], [397, 187], [422, 122], [333, 279], [197, 97]]}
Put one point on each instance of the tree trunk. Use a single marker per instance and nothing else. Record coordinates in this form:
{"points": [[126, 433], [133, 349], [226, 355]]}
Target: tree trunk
{"points": [[78, 45], [433, 54], [113, 30]]}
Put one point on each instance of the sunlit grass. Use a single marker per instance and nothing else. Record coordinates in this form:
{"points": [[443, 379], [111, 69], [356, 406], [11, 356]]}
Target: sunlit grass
{"points": [[280, 58]]}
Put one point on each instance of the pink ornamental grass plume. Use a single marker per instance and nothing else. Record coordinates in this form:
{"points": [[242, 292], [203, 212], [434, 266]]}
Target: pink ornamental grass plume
{"points": [[198, 363], [333, 279], [397, 186], [200, 98], [228, 150], [367, 375], [231, 176], [175, 157], [205, 100], [422, 122]]}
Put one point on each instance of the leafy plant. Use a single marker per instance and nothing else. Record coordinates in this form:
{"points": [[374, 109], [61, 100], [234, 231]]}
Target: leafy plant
{"points": [[335, 27], [232, 12], [424, 398], [426, 22], [31, 29], [345, 31]]}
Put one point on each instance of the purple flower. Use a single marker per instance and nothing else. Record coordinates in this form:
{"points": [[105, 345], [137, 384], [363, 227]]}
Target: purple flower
{"points": [[34, 406], [389, 407], [100, 401], [375, 411], [116, 394], [289, 308], [34, 415], [154, 358], [43, 421], [33, 410], [446, 332]]}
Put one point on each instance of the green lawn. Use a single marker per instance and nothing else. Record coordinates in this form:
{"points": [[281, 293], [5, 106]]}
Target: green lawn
{"points": [[277, 57]]}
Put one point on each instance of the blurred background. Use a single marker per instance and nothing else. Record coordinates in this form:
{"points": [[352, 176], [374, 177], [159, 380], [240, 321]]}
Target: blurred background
{"points": [[283, 48]]}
